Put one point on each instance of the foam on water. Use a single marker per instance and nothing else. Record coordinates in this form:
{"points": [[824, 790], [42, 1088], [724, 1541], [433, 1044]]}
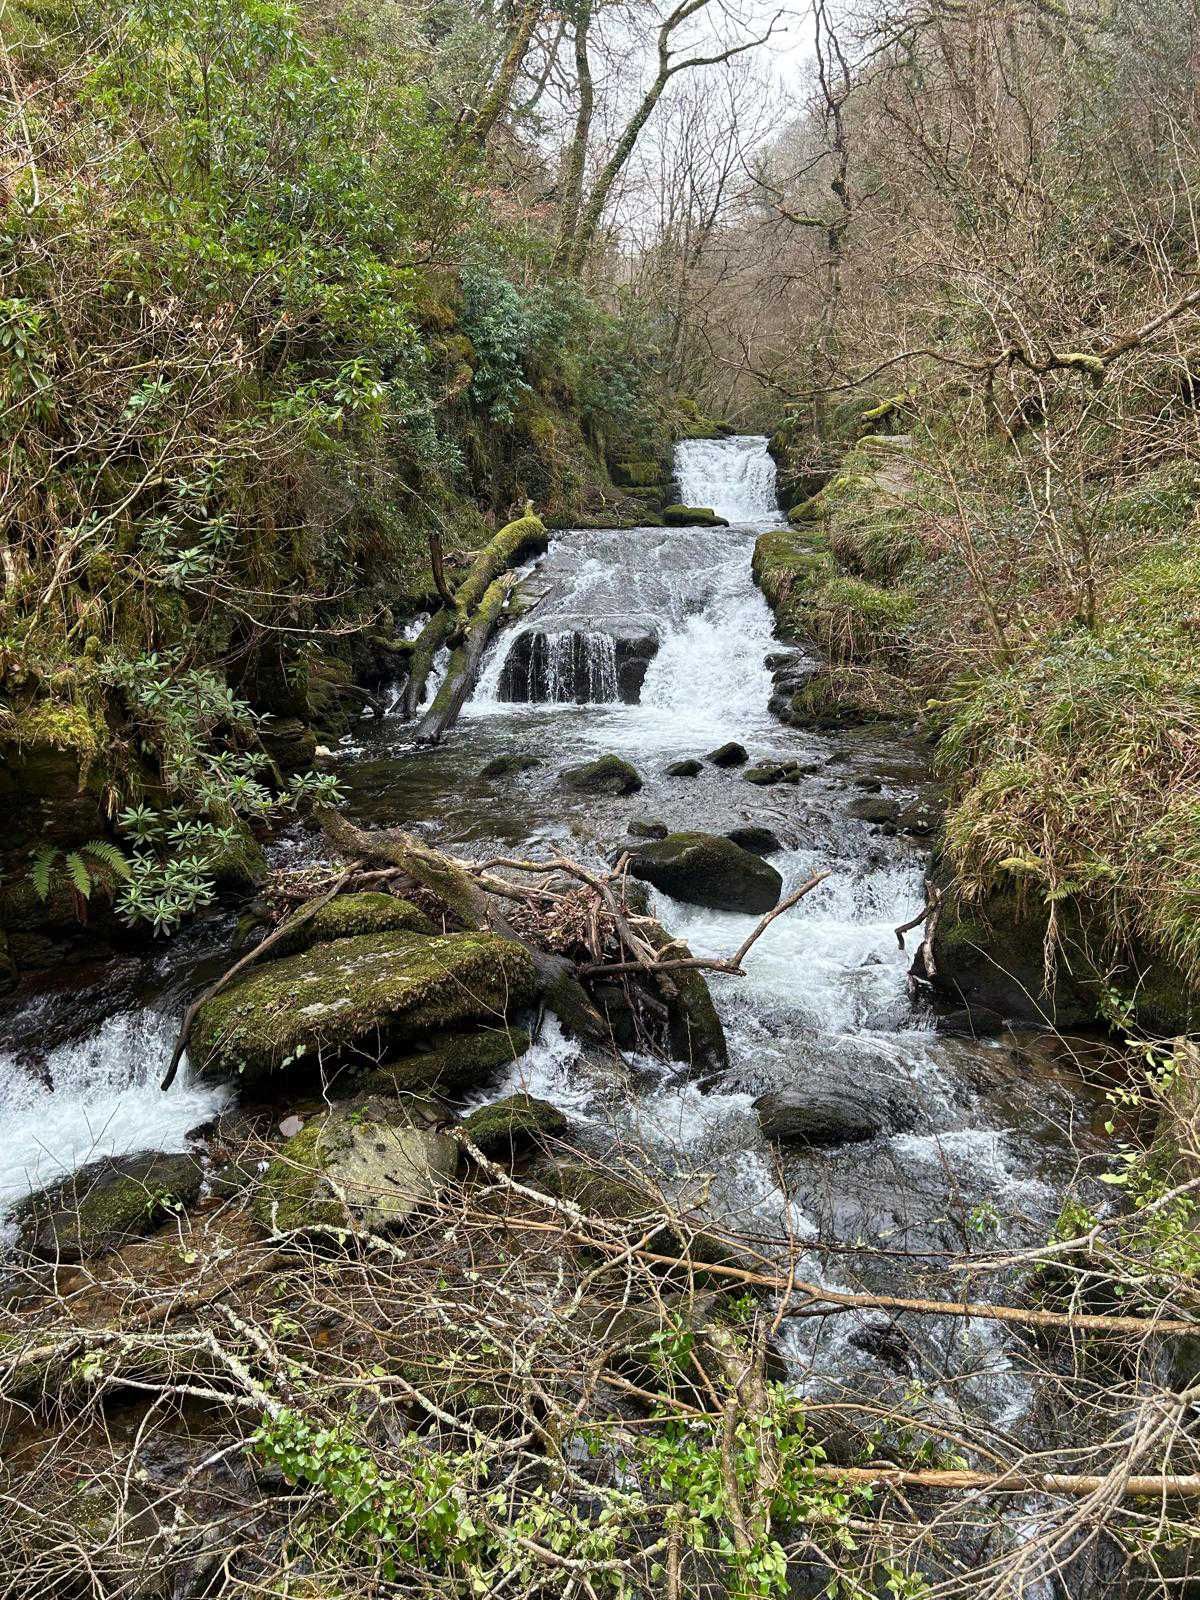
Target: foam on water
{"points": [[98, 1097]]}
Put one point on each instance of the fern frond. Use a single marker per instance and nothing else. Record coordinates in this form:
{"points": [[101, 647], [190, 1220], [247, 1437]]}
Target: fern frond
{"points": [[43, 866], [108, 854], [79, 874]]}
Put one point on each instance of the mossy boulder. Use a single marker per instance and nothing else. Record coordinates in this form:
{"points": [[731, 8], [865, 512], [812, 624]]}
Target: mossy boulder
{"points": [[353, 914], [606, 775], [506, 1127], [375, 988], [689, 767], [707, 870], [692, 517], [788, 567], [104, 1205], [449, 1062], [290, 743], [373, 1159], [729, 754], [505, 766]]}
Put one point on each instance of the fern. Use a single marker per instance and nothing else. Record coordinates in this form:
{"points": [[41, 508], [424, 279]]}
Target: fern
{"points": [[108, 855], [43, 867], [78, 873]]}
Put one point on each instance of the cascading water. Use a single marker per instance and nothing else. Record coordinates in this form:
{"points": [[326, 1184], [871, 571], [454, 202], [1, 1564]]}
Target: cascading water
{"points": [[554, 666], [733, 477]]}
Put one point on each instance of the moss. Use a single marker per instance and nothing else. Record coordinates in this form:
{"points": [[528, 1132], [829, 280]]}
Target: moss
{"points": [[512, 1124], [102, 1206], [697, 1036], [242, 862], [638, 474], [450, 1062], [370, 987], [352, 914]]}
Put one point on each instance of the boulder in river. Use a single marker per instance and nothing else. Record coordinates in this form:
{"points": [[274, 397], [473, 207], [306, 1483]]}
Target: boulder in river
{"points": [[830, 1113], [503, 766], [689, 767], [692, 517], [506, 1127], [609, 774], [707, 870], [730, 754], [874, 808], [375, 1158], [374, 987], [104, 1205]]}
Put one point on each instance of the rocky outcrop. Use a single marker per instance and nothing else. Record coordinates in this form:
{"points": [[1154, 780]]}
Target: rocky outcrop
{"points": [[708, 870], [371, 1160], [606, 775], [372, 988], [584, 665]]}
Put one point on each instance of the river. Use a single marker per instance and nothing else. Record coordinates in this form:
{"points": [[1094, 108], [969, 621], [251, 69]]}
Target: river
{"points": [[979, 1138]]}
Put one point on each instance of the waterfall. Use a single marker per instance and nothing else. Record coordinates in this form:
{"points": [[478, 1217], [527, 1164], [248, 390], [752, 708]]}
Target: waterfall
{"points": [[734, 477], [556, 666]]}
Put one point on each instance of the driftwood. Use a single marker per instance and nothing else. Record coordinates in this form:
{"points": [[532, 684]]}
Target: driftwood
{"points": [[451, 625]]}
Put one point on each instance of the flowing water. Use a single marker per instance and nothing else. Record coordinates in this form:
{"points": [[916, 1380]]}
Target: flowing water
{"points": [[653, 643]]}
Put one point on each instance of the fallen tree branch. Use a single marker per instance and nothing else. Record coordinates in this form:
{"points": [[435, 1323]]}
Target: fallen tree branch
{"points": [[731, 964]]}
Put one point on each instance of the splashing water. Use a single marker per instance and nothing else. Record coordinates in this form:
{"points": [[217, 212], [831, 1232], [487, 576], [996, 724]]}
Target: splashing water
{"points": [[733, 477], [97, 1097]]}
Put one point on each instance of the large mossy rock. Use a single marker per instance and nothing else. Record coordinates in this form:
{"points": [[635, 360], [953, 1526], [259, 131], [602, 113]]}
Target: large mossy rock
{"points": [[606, 775], [104, 1205], [707, 870], [352, 914], [450, 1062], [375, 988], [373, 1159]]}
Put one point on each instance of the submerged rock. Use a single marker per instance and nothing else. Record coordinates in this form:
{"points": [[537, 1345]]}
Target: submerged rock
{"points": [[606, 775], [832, 1113], [103, 1205], [689, 767], [376, 1159], [708, 870], [502, 766], [760, 841], [508, 1126], [372, 987], [731, 754], [648, 828], [874, 808]]}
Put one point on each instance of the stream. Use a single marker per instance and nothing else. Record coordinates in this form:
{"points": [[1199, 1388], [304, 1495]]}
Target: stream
{"points": [[981, 1137]]}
